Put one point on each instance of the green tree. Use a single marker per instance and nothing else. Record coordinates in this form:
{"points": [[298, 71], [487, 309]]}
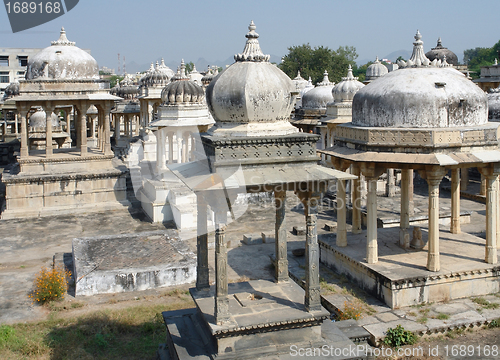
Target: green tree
{"points": [[475, 58], [314, 61], [113, 79], [189, 67]]}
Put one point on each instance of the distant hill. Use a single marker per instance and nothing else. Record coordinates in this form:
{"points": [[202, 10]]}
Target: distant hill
{"points": [[395, 54]]}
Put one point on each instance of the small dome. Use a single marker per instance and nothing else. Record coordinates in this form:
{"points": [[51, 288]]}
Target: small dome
{"points": [[209, 76], [11, 90], [252, 97], [421, 94], [182, 91], [494, 104], [347, 88], [321, 95], [62, 61], [376, 70], [299, 82], [309, 86], [195, 76], [159, 75], [442, 53], [38, 119]]}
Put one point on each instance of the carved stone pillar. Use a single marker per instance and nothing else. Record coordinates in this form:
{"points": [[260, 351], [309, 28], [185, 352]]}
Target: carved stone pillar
{"points": [[312, 299], [491, 178], [281, 264], [107, 130], [221, 311], [411, 203], [404, 234], [341, 214], [48, 130], [179, 147], [202, 277], [170, 147], [160, 150], [118, 126], [23, 111], [433, 178], [356, 202], [390, 187], [371, 221], [455, 201], [82, 123]]}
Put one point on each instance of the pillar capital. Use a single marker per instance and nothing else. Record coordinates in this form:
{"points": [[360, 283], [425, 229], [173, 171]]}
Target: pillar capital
{"points": [[371, 170], [339, 164]]}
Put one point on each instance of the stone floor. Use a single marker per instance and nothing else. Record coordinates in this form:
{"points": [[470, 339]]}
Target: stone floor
{"points": [[27, 244]]}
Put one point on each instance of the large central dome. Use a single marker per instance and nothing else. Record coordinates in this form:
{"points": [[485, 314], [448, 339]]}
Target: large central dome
{"points": [[62, 61], [422, 94], [252, 97]]}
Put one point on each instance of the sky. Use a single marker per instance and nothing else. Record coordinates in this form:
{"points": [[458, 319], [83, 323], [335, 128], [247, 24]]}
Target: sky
{"points": [[146, 30]]}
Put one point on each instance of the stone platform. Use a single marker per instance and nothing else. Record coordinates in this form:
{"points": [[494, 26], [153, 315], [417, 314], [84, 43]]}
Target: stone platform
{"points": [[400, 277], [130, 262], [267, 320]]}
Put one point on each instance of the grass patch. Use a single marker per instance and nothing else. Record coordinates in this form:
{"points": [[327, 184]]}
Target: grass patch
{"points": [[423, 311], [480, 301], [130, 333], [442, 316], [326, 287], [412, 313], [422, 320]]}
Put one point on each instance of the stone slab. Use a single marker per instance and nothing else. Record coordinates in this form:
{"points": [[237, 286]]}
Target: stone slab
{"points": [[331, 226], [378, 330], [252, 239], [299, 230], [119, 263]]}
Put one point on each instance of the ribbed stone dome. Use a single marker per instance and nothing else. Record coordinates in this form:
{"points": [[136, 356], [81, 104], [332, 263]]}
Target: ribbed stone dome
{"points": [[440, 53], [182, 92], [37, 120], [251, 97], [376, 70], [159, 75], [347, 88], [494, 104], [300, 82], [62, 61], [321, 95]]}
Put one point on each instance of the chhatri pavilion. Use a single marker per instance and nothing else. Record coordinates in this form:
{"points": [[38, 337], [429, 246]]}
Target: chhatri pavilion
{"points": [[427, 117], [58, 179], [252, 148]]}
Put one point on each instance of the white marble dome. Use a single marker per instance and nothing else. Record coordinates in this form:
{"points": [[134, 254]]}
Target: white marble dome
{"points": [[376, 70], [252, 97], [423, 94], [494, 104], [62, 61], [195, 76], [321, 95], [38, 119], [347, 88]]}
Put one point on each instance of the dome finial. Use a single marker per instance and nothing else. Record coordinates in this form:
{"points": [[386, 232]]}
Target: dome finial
{"points": [[349, 72], [326, 80], [418, 57], [439, 43], [377, 61], [63, 40], [496, 62], [252, 51]]}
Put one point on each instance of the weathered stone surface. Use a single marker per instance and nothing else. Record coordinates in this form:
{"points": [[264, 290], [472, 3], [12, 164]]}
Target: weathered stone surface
{"points": [[299, 230], [107, 264], [252, 239]]}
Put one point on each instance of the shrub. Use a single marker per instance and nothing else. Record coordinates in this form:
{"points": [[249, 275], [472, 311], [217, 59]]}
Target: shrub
{"points": [[398, 336], [50, 284], [351, 311]]}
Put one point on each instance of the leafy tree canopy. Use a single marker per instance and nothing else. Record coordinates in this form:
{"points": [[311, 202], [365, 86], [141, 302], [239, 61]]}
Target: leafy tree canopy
{"points": [[475, 58], [114, 79], [189, 67], [314, 61]]}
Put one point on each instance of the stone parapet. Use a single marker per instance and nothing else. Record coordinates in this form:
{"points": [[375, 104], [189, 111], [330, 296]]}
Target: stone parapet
{"points": [[253, 151], [413, 140]]}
